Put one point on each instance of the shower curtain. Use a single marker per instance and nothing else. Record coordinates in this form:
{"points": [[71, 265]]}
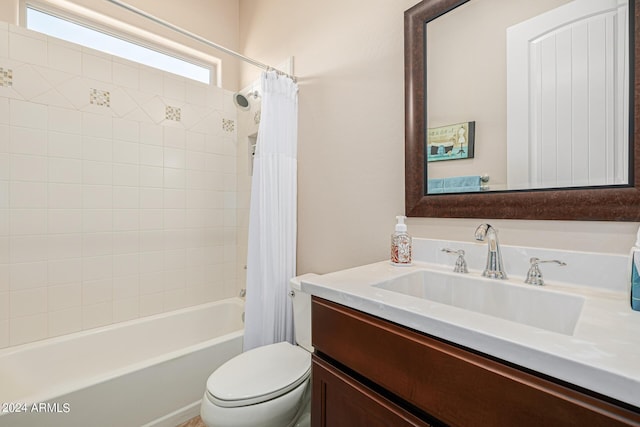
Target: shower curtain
{"points": [[271, 259]]}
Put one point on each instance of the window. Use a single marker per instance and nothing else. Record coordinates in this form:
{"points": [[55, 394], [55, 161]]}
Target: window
{"points": [[66, 30]]}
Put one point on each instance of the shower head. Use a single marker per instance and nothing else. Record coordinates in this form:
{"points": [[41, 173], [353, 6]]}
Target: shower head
{"points": [[241, 101]]}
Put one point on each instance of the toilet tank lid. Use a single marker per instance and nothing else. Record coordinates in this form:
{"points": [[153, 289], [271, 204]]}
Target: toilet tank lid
{"points": [[259, 374], [296, 282]]}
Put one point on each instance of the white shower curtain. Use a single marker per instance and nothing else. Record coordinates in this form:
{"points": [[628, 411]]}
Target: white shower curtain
{"points": [[271, 260]]}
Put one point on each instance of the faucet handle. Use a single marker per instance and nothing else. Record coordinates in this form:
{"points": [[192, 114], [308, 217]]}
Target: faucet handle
{"points": [[534, 275], [461, 264]]}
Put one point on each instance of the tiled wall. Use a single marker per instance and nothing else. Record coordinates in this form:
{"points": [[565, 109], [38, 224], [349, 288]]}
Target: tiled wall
{"points": [[117, 189]]}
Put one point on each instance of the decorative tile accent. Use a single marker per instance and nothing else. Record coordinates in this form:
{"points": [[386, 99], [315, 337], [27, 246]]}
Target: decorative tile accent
{"points": [[256, 117], [228, 125], [6, 77], [101, 98], [173, 113]]}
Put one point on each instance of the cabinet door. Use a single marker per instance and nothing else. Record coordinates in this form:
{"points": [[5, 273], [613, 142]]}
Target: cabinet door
{"points": [[340, 401]]}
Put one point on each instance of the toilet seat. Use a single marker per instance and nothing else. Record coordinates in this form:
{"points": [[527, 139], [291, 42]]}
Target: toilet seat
{"points": [[258, 375]]}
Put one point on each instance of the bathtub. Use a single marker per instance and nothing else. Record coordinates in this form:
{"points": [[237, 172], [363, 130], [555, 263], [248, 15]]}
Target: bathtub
{"points": [[145, 372]]}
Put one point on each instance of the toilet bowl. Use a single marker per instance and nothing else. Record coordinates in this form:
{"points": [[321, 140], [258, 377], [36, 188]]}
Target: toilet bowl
{"points": [[267, 386]]}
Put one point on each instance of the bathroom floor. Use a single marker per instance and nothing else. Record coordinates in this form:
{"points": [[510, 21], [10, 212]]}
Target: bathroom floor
{"points": [[193, 422]]}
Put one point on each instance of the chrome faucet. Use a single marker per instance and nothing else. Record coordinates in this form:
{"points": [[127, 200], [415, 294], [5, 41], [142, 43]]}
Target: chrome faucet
{"points": [[494, 268]]}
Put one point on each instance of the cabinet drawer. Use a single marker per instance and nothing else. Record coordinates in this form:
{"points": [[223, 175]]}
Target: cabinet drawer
{"points": [[341, 401], [453, 385]]}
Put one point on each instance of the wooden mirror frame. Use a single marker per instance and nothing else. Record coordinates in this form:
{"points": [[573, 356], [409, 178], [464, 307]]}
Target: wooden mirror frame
{"points": [[620, 203]]}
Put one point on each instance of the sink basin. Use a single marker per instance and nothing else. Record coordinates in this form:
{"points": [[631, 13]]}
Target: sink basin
{"points": [[525, 304]]}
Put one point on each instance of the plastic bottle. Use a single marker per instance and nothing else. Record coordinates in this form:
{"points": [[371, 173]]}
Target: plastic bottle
{"points": [[634, 276], [401, 243]]}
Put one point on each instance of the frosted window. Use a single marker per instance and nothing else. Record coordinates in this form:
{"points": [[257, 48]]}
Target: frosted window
{"points": [[84, 36]]}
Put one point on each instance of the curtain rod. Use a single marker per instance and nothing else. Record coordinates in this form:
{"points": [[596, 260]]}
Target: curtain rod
{"points": [[199, 38]]}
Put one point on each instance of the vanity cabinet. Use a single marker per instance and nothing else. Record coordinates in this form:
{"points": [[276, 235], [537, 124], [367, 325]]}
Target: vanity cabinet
{"points": [[368, 372]]}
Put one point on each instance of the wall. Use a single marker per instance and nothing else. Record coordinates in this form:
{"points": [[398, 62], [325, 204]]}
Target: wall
{"points": [[117, 189], [248, 122], [349, 59]]}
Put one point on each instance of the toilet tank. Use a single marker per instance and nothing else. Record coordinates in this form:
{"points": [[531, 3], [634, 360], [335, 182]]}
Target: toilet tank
{"points": [[301, 312]]}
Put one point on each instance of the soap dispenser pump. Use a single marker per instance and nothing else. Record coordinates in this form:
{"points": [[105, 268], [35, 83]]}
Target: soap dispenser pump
{"points": [[401, 243]]}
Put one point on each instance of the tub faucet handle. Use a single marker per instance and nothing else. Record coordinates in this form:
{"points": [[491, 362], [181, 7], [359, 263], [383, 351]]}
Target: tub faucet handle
{"points": [[461, 264], [534, 275]]}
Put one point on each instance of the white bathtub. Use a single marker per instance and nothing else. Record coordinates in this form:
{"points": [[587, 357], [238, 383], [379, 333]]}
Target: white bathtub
{"points": [[146, 372]]}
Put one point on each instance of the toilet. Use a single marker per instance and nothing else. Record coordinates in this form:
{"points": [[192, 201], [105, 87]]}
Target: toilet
{"points": [[267, 386]]}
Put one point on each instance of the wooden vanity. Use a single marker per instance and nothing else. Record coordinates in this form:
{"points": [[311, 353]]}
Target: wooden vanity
{"points": [[371, 372]]}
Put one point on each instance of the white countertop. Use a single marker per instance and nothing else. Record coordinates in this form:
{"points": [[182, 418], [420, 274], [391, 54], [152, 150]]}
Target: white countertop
{"points": [[602, 355]]}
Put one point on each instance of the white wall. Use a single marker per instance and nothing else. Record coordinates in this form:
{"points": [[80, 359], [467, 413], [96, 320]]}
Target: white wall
{"points": [[117, 189], [248, 122], [349, 60]]}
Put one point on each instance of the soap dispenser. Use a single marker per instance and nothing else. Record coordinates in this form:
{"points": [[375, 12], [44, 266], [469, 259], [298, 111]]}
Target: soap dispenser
{"points": [[634, 276], [401, 243]]}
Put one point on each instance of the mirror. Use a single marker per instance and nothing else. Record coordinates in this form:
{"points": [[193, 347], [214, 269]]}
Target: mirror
{"points": [[616, 197], [543, 83]]}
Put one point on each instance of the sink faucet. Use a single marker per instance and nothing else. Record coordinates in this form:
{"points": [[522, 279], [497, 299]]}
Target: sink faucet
{"points": [[494, 268]]}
